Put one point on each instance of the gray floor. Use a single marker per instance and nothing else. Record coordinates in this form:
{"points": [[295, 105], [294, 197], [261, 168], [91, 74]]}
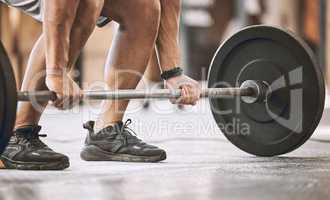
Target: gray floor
{"points": [[201, 164]]}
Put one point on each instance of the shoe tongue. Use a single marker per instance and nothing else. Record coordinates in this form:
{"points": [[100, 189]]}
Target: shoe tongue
{"points": [[109, 129], [28, 131], [117, 127], [119, 124]]}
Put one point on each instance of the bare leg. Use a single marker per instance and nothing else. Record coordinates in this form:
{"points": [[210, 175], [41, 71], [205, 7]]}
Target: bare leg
{"points": [[83, 27], [133, 45], [34, 79]]}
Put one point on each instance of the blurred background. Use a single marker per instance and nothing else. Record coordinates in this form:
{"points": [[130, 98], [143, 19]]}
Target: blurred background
{"points": [[205, 24], [201, 163]]}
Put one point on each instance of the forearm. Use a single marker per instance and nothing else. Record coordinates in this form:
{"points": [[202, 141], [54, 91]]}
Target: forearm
{"points": [[57, 25], [168, 38]]}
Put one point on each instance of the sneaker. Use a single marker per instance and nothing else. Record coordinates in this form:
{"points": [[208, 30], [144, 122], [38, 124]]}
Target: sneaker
{"points": [[26, 151], [118, 143]]}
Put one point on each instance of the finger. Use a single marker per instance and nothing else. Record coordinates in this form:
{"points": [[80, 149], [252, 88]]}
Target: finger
{"points": [[182, 97], [66, 100], [191, 95], [58, 102], [65, 104], [76, 98], [77, 95], [59, 98], [71, 101], [185, 100], [198, 90], [72, 105], [196, 93], [176, 100]]}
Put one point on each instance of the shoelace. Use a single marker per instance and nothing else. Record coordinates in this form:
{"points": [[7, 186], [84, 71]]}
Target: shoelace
{"points": [[34, 139], [124, 131], [127, 132]]}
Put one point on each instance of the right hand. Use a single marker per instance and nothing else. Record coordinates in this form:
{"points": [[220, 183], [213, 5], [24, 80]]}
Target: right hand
{"points": [[190, 90], [67, 91]]}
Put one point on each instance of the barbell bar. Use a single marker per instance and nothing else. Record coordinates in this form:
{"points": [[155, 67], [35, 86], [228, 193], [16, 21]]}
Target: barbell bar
{"points": [[142, 94]]}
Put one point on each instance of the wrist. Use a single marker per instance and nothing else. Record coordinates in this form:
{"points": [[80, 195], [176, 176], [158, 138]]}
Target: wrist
{"points": [[172, 73], [55, 72]]}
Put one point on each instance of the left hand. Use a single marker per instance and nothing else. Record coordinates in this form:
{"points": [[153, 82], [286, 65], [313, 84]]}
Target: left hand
{"points": [[190, 89]]}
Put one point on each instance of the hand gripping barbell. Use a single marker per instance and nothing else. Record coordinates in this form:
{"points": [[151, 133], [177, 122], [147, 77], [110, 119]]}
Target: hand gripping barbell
{"points": [[280, 90]]}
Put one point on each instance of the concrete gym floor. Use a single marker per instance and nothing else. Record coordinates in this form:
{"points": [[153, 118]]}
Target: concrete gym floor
{"points": [[201, 163]]}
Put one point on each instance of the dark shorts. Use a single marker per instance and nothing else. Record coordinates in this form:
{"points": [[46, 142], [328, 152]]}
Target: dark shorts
{"points": [[34, 8]]}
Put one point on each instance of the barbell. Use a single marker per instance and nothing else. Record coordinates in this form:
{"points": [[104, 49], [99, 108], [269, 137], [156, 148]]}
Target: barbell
{"points": [[265, 88]]}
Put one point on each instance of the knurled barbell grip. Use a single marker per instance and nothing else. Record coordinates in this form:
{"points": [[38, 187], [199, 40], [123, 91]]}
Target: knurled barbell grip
{"points": [[42, 96], [137, 94]]}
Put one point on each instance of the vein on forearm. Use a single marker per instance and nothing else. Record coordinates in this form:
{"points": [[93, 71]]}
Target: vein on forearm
{"points": [[168, 37], [57, 24]]}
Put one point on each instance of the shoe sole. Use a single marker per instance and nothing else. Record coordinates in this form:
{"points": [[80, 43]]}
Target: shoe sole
{"points": [[94, 153], [6, 163]]}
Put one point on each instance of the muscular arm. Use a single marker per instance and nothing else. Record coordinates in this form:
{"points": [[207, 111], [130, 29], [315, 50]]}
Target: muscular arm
{"points": [[58, 20], [168, 38], [169, 52]]}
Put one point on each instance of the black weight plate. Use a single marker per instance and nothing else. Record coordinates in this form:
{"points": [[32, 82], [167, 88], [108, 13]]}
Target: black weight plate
{"points": [[8, 99], [292, 112]]}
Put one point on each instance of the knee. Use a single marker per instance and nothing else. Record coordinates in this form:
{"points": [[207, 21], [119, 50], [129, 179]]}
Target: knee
{"points": [[143, 14], [86, 18], [93, 8]]}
